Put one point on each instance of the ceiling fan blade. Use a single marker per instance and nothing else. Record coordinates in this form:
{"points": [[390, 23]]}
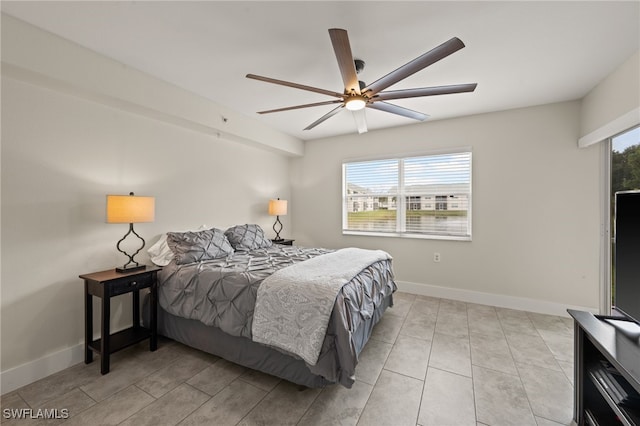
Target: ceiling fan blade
{"points": [[324, 117], [431, 57], [361, 120], [342, 49], [300, 106], [295, 85], [425, 91], [395, 109]]}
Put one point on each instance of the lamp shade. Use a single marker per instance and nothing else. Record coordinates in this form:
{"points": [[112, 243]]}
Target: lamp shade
{"points": [[130, 209], [277, 207]]}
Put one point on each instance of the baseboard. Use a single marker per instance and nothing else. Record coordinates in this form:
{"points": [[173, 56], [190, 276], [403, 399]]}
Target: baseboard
{"points": [[32, 371], [499, 300]]}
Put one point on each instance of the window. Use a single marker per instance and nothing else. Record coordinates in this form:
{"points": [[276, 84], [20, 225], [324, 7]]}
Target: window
{"points": [[441, 202], [424, 197]]}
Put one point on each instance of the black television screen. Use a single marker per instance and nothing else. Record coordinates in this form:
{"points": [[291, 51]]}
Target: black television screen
{"points": [[627, 254]]}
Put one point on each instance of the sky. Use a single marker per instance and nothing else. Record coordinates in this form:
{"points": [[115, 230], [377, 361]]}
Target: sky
{"points": [[625, 140], [382, 175]]}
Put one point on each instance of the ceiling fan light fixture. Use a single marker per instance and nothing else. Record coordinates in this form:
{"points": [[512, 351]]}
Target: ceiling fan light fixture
{"points": [[355, 103]]}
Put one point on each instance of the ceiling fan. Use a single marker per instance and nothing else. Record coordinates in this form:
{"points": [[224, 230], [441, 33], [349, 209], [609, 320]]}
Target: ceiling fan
{"points": [[357, 95]]}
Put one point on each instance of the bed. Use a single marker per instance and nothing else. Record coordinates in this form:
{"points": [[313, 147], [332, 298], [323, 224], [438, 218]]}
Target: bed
{"points": [[302, 314]]}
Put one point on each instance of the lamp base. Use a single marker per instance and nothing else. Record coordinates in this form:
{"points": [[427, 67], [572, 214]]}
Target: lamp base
{"points": [[132, 268], [277, 231], [131, 265]]}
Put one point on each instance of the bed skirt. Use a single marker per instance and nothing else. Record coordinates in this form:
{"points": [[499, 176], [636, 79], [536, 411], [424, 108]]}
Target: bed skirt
{"points": [[245, 352]]}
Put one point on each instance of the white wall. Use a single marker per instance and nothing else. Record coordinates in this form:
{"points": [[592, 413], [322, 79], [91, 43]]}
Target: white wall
{"points": [[34, 55], [63, 150], [613, 105], [541, 251]]}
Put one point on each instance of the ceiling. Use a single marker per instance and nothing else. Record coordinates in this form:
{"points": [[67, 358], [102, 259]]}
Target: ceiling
{"points": [[520, 53]]}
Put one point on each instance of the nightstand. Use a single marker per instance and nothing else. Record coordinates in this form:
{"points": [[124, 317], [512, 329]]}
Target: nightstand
{"points": [[283, 242], [105, 285]]}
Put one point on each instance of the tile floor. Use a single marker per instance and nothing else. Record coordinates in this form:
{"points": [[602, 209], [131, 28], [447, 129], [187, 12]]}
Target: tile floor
{"points": [[429, 362]]}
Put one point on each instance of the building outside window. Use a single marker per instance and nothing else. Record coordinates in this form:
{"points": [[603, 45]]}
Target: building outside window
{"points": [[441, 202], [414, 203]]}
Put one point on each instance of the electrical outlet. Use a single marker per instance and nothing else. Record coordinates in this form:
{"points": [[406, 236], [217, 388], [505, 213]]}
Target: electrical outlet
{"points": [[436, 257]]}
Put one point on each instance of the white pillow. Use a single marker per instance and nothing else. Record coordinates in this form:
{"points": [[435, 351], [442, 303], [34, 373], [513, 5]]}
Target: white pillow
{"points": [[160, 253]]}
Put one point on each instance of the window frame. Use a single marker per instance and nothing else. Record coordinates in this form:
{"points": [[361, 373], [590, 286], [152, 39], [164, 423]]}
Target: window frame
{"points": [[402, 200]]}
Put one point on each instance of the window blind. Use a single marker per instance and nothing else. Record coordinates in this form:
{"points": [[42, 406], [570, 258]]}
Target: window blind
{"points": [[425, 196]]}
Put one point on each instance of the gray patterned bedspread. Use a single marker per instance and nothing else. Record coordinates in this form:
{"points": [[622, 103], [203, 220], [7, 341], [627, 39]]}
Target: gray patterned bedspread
{"points": [[222, 293]]}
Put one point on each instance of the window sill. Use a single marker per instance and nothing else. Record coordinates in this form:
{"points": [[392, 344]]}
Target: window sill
{"points": [[412, 236]]}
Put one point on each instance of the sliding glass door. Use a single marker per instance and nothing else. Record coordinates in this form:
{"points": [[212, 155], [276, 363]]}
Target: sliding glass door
{"points": [[624, 175]]}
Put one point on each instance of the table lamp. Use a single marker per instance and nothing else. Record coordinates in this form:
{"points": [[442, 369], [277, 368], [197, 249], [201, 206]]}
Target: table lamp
{"points": [[277, 208], [130, 209]]}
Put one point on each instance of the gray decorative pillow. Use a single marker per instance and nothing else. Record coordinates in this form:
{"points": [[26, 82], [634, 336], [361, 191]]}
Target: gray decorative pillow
{"points": [[196, 246], [247, 237]]}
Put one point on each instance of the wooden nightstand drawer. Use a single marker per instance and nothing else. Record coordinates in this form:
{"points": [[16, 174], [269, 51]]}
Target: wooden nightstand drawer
{"points": [[128, 284]]}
